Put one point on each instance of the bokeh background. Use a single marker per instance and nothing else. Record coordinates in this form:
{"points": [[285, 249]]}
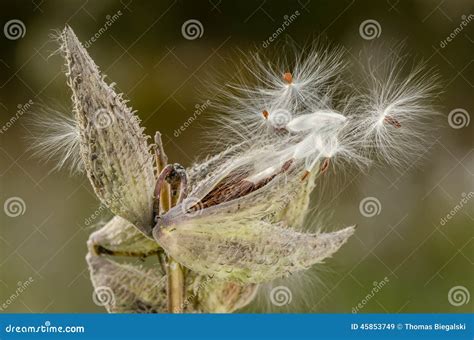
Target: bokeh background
{"points": [[427, 264]]}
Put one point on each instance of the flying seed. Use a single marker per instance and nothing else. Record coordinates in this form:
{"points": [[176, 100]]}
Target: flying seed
{"points": [[392, 121], [325, 166], [265, 114], [288, 77]]}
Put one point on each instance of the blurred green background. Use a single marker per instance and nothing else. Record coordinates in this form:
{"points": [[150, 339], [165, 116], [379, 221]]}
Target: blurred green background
{"points": [[144, 51]]}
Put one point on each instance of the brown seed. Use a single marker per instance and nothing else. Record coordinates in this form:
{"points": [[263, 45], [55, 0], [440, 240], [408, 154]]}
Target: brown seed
{"points": [[288, 77], [265, 114], [305, 175], [286, 165], [325, 166], [392, 121]]}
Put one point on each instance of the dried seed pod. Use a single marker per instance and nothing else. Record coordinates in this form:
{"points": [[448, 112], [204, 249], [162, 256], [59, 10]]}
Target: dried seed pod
{"points": [[292, 210], [246, 250], [120, 237], [234, 228], [126, 288], [203, 169], [281, 196], [112, 144]]}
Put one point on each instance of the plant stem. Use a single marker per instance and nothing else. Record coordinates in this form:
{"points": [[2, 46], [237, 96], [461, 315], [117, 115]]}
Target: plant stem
{"points": [[169, 197], [160, 155], [175, 270], [175, 287]]}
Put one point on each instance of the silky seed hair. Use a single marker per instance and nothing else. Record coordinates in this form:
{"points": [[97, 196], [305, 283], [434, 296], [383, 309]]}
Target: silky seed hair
{"points": [[307, 107], [56, 138], [300, 107]]}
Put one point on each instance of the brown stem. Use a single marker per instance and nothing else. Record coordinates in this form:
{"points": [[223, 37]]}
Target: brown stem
{"points": [[161, 159], [175, 287], [162, 191], [160, 155], [170, 190], [178, 185]]}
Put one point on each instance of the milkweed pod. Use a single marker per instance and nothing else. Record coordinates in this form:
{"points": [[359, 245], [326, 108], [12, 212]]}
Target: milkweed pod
{"points": [[246, 250], [126, 288], [120, 237], [113, 147]]}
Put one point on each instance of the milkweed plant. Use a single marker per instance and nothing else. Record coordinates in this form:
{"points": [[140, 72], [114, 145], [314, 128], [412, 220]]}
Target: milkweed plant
{"points": [[236, 219]]}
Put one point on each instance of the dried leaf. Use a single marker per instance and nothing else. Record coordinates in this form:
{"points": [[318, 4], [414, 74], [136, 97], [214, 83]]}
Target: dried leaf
{"points": [[126, 288]]}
